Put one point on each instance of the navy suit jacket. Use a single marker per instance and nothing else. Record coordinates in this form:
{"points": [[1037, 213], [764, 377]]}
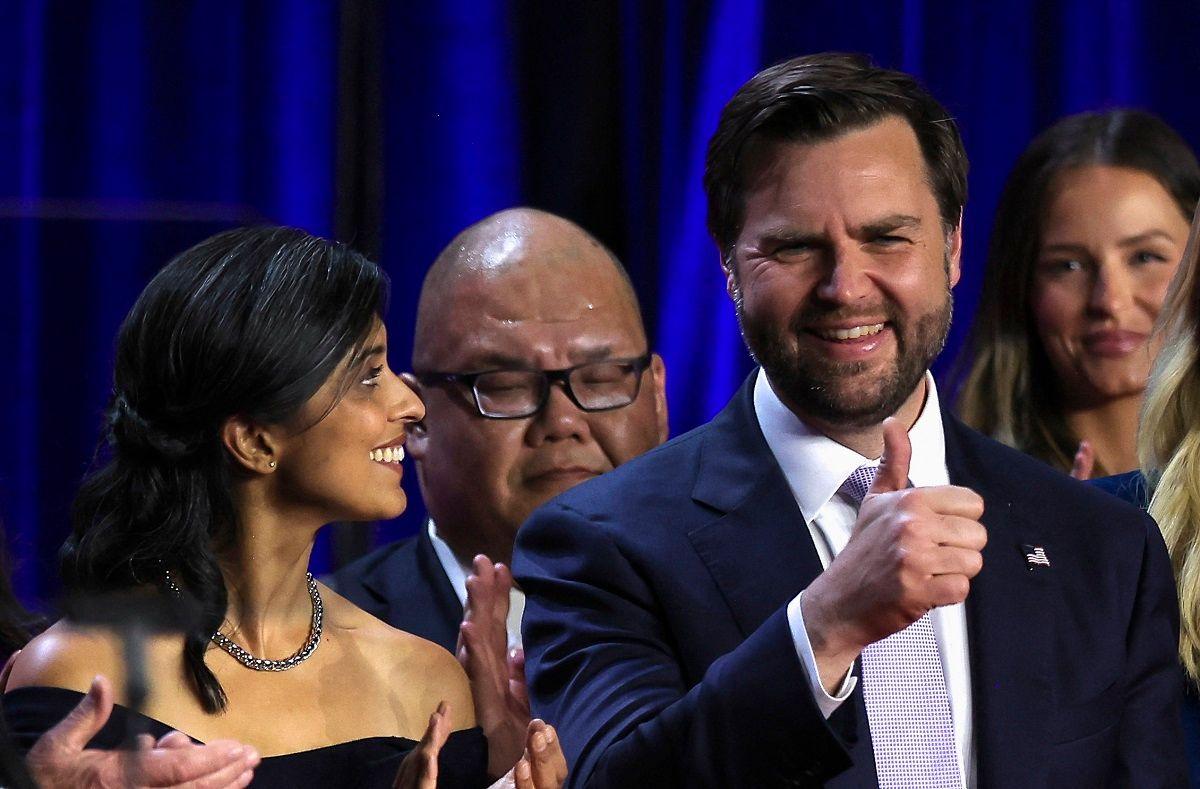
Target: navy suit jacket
{"points": [[657, 640], [404, 585]]}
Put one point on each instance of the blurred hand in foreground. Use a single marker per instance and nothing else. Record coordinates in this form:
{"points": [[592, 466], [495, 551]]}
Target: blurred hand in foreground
{"points": [[59, 759]]}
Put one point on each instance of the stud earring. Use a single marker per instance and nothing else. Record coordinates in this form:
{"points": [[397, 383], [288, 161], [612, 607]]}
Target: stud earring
{"points": [[271, 464]]}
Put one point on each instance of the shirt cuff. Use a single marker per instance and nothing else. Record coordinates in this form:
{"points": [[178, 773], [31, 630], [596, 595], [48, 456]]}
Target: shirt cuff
{"points": [[827, 704]]}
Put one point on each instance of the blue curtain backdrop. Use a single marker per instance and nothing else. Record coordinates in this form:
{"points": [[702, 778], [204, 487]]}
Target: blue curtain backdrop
{"points": [[129, 130]]}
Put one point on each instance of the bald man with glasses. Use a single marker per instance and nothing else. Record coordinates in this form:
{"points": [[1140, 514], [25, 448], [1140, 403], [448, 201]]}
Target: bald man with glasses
{"points": [[536, 374]]}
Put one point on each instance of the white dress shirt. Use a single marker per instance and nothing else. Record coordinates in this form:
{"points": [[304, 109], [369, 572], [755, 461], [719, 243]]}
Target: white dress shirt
{"points": [[458, 571], [815, 467]]}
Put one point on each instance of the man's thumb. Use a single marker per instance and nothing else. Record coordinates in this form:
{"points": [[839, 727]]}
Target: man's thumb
{"points": [[897, 454], [89, 716]]}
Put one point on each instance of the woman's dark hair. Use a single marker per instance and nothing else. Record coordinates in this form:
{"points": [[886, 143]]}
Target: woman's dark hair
{"points": [[249, 322], [1009, 389], [17, 624]]}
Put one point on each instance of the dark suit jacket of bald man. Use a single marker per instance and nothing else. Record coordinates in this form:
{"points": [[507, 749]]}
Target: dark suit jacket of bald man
{"points": [[404, 585], [657, 639]]}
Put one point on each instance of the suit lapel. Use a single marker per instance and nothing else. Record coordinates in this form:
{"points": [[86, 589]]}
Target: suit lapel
{"points": [[758, 549], [756, 546], [431, 573], [1009, 626]]}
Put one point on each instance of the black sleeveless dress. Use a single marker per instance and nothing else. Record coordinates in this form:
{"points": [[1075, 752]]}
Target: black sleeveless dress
{"points": [[370, 762]]}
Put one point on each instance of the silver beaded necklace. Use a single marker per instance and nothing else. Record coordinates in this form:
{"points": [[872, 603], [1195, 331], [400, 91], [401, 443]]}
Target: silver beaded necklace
{"points": [[264, 664]]}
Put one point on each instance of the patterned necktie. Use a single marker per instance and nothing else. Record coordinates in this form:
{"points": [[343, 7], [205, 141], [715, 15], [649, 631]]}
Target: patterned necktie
{"points": [[908, 708]]}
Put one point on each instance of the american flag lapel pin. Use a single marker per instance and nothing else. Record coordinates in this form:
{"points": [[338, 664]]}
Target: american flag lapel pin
{"points": [[1035, 556]]}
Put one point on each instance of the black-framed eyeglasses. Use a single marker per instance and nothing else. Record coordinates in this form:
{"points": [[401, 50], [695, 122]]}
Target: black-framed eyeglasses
{"points": [[516, 394]]}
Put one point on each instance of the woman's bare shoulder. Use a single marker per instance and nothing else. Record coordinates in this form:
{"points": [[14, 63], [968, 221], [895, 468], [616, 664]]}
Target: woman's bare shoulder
{"points": [[432, 674], [67, 657], [421, 668]]}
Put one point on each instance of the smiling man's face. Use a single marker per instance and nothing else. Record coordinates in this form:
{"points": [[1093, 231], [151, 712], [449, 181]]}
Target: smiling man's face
{"points": [[842, 273], [552, 300]]}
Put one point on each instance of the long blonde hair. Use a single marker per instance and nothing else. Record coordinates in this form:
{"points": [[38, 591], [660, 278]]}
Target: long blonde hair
{"points": [[1169, 442]]}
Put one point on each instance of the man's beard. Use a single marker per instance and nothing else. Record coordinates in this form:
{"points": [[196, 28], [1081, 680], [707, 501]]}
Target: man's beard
{"points": [[832, 391]]}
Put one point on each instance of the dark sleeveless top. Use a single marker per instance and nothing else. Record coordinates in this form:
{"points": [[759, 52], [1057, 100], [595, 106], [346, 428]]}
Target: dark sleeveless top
{"points": [[370, 762]]}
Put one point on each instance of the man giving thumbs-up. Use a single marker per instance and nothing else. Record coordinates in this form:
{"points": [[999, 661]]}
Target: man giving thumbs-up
{"points": [[764, 602], [911, 550]]}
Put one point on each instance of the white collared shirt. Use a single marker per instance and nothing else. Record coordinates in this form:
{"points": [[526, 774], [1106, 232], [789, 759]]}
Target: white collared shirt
{"points": [[815, 466], [458, 571]]}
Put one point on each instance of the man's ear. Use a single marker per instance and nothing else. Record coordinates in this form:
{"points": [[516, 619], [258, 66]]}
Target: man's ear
{"points": [[728, 266], [418, 437], [659, 372], [252, 446], [954, 251]]}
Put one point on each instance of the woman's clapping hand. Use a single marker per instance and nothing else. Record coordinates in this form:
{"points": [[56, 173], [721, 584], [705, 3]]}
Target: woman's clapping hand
{"points": [[542, 764]]}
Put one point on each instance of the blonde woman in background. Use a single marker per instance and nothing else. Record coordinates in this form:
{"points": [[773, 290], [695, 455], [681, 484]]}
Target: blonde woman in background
{"points": [[1169, 452]]}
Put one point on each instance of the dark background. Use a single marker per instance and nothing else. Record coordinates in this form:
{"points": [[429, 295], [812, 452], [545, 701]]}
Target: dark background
{"points": [[130, 130]]}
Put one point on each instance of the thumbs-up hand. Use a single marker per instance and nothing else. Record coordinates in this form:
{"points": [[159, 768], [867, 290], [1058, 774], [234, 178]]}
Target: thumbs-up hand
{"points": [[912, 550], [897, 457]]}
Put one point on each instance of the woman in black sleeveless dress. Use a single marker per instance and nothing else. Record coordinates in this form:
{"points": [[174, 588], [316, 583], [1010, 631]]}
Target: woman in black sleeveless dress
{"points": [[252, 405]]}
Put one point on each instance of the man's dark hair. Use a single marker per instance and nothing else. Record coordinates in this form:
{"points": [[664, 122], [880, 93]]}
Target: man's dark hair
{"points": [[818, 97]]}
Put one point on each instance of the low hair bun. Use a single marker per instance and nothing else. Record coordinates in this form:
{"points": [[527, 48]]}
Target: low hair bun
{"points": [[132, 434]]}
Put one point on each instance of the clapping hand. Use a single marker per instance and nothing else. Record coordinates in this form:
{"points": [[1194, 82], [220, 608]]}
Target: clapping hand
{"points": [[524, 754], [419, 770], [58, 758], [497, 677], [541, 766], [1084, 461]]}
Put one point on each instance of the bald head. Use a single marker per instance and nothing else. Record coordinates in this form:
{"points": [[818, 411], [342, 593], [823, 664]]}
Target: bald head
{"points": [[525, 290], [514, 250]]}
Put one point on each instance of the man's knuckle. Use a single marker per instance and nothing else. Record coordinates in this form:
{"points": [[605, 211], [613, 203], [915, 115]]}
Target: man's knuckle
{"points": [[909, 501], [904, 526], [960, 587], [899, 557]]}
